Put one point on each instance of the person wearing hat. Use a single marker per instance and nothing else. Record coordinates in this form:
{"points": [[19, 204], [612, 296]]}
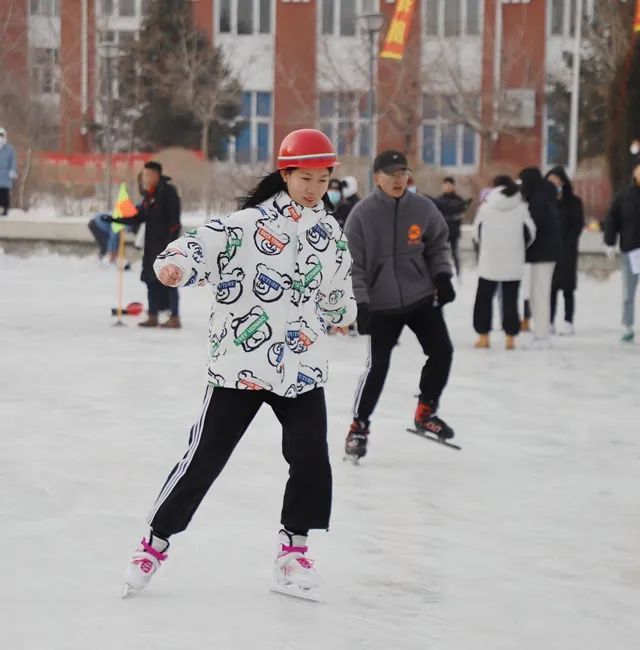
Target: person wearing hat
{"points": [[8, 171], [280, 271], [350, 199], [160, 211], [401, 276], [622, 225], [334, 193]]}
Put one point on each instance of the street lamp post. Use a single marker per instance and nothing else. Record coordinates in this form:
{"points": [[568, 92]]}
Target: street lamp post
{"points": [[575, 92], [110, 51], [371, 25]]}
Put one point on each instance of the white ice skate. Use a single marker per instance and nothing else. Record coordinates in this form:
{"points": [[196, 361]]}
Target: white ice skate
{"points": [[144, 563], [294, 573]]}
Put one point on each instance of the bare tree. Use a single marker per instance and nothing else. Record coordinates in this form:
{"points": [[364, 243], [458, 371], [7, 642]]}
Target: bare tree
{"points": [[30, 122], [491, 112], [203, 83], [605, 46]]}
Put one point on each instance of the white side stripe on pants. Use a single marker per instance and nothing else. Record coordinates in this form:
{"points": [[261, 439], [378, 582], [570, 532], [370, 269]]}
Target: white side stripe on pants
{"points": [[362, 381], [182, 467]]}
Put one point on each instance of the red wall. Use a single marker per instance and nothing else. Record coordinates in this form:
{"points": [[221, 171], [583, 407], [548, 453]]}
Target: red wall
{"points": [[72, 120], [523, 66], [203, 16], [14, 40], [295, 95]]}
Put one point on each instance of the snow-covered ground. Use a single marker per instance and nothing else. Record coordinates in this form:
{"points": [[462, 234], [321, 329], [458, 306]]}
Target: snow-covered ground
{"points": [[528, 539]]}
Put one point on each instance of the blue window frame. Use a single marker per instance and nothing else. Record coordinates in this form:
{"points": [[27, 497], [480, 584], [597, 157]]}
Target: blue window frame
{"points": [[429, 144], [263, 104], [448, 146], [263, 142]]}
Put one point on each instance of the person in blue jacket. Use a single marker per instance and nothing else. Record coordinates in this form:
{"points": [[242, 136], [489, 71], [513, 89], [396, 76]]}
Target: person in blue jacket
{"points": [[8, 171]]}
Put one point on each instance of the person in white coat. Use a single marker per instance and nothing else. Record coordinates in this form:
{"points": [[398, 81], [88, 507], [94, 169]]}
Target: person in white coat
{"points": [[503, 228], [281, 274]]}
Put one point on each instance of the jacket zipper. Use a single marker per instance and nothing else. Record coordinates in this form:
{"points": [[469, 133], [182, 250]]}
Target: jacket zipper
{"points": [[395, 250]]}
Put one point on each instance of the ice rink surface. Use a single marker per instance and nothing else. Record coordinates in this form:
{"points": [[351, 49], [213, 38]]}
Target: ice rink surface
{"points": [[528, 539]]}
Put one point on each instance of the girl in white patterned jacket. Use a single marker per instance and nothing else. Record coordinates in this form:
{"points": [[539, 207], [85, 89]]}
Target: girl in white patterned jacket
{"points": [[281, 273]]}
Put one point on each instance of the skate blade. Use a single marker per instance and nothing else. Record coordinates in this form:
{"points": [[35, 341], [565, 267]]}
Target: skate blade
{"points": [[354, 460], [293, 591], [435, 439], [129, 591]]}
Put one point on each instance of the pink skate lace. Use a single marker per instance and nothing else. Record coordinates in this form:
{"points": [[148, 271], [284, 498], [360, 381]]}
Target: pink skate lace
{"points": [[146, 565], [306, 563], [294, 549], [152, 551]]}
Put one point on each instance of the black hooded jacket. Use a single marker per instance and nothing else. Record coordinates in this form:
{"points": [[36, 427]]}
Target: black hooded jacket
{"points": [[160, 211], [571, 215], [623, 219], [541, 196]]}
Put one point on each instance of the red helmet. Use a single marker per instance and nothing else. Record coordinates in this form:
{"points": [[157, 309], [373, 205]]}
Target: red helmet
{"points": [[306, 148]]}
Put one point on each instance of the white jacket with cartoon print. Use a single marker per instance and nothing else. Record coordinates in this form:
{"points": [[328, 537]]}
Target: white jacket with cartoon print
{"points": [[281, 273]]}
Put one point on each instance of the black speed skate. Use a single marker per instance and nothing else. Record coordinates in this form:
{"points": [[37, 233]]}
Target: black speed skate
{"points": [[427, 422], [355, 446]]}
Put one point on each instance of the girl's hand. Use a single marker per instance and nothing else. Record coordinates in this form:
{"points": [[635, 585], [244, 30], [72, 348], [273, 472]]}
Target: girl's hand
{"points": [[170, 275]]}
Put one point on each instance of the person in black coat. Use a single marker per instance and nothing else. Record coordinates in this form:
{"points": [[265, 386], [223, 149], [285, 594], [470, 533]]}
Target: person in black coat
{"points": [[623, 224], [565, 275], [543, 254], [452, 206], [160, 212], [350, 198]]}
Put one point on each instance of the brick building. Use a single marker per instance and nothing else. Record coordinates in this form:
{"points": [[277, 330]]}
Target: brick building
{"points": [[470, 90]]}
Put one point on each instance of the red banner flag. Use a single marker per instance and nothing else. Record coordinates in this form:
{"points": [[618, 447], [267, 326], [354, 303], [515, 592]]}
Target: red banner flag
{"points": [[398, 33], [636, 22]]}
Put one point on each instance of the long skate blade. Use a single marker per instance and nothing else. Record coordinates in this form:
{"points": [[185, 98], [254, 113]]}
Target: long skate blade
{"points": [[129, 591], [294, 591], [354, 460], [435, 439]]}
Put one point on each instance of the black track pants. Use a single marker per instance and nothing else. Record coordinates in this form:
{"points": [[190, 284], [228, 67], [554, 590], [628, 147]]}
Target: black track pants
{"points": [[226, 415], [427, 323]]}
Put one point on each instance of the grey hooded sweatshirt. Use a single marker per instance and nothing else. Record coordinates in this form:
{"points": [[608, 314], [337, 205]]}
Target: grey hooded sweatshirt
{"points": [[398, 247]]}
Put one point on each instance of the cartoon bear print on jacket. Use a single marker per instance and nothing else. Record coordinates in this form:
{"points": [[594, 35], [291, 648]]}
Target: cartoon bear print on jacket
{"points": [[320, 236], [252, 329], [334, 315], [195, 249], [275, 355], [268, 240], [269, 285], [234, 242], [308, 280], [215, 379], [278, 281], [216, 339], [300, 336], [341, 247], [309, 378], [248, 381], [229, 288]]}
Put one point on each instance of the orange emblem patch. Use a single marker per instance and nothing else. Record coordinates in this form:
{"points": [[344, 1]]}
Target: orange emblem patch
{"points": [[415, 232]]}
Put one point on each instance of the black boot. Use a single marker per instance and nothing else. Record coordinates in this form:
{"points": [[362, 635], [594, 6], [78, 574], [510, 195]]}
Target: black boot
{"points": [[356, 443], [427, 421]]}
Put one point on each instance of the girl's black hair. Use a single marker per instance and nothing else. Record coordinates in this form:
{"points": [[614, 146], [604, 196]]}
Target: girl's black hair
{"points": [[532, 180], [269, 186], [509, 186]]}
